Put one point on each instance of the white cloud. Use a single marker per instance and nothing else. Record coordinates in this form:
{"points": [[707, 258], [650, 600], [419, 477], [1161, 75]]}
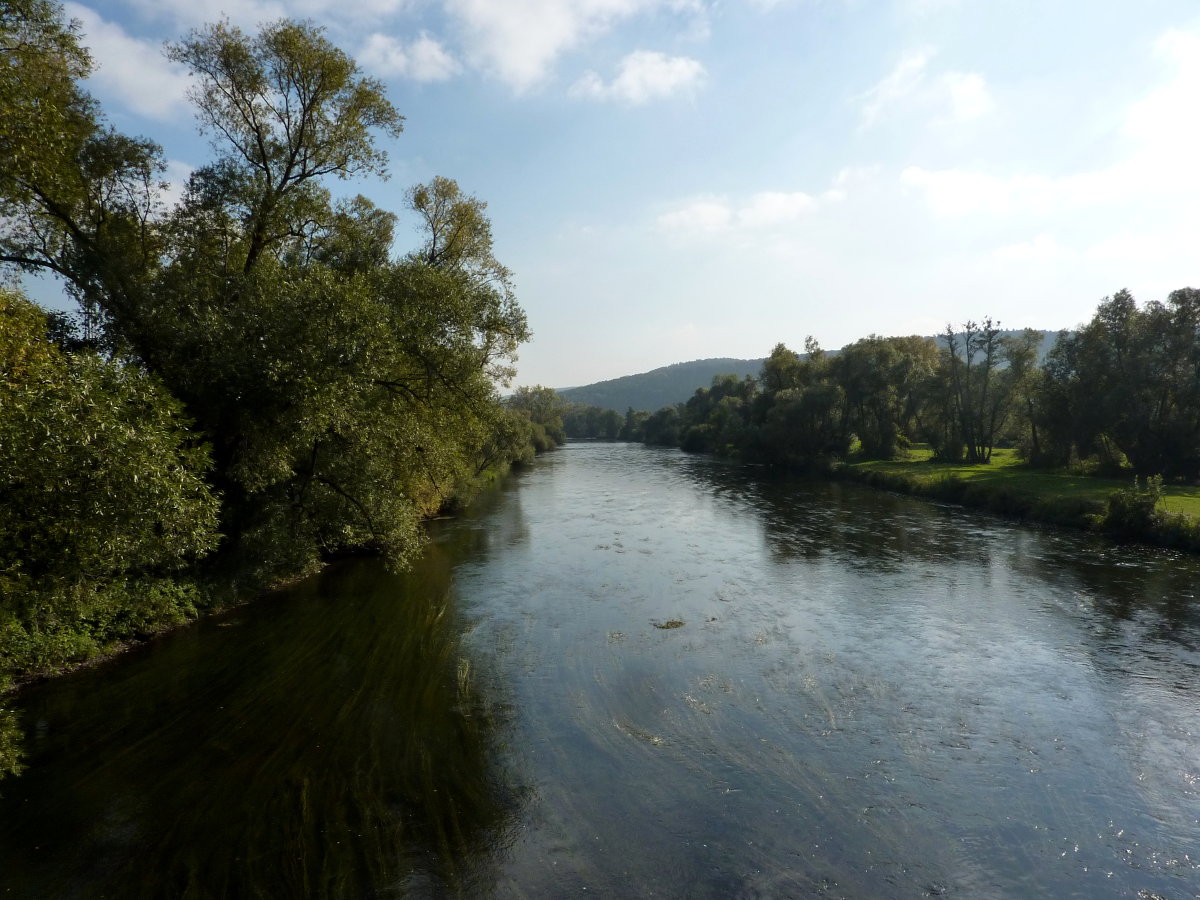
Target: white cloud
{"points": [[1142, 247], [132, 72], [643, 76], [851, 177], [910, 85], [1163, 131], [955, 192], [519, 41], [1167, 115], [760, 213], [968, 94], [771, 208], [423, 59], [703, 216], [959, 192]]}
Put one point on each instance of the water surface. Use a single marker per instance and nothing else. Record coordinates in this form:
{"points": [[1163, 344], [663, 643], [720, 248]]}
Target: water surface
{"points": [[634, 673]]}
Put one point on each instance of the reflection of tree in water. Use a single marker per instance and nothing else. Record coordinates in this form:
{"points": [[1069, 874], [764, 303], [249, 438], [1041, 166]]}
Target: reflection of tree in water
{"points": [[341, 749], [1154, 592], [1143, 596], [505, 525], [814, 519]]}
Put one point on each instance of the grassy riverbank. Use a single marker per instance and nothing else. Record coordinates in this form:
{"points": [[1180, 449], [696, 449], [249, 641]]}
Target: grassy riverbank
{"points": [[1168, 517]]}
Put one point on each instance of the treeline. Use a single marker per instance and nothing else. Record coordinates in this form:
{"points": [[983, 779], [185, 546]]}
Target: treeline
{"points": [[1120, 394], [554, 419], [256, 382]]}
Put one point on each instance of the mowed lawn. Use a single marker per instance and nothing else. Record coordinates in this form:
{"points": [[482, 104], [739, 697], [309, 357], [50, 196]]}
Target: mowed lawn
{"points": [[1007, 470]]}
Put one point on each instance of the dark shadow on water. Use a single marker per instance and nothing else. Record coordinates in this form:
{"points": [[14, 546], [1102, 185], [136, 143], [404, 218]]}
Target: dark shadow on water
{"points": [[806, 518], [332, 741]]}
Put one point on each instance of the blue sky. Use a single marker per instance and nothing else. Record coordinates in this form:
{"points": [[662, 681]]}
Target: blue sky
{"points": [[679, 179]]}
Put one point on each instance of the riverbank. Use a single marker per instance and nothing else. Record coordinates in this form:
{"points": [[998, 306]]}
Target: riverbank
{"points": [[1160, 515], [53, 629]]}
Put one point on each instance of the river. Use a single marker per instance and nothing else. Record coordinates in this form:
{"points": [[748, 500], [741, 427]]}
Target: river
{"points": [[634, 673]]}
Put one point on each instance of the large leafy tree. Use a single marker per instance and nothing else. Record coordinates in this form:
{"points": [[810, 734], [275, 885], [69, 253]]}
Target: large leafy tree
{"points": [[543, 409], [885, 384], [345, 392], [285, 108], [800, 416], [1128, 381], [41, 111], [984, 375]]}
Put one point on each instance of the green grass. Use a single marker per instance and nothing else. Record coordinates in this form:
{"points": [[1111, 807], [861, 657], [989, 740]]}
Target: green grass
{"points": [[1009, 487], [1005, 469]]}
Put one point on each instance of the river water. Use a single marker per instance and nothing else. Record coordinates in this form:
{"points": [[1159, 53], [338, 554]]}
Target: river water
{"points": [[634, 673]]}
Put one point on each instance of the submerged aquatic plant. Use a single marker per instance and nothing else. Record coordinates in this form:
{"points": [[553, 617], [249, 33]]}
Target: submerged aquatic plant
{"points": [[10, 744]]}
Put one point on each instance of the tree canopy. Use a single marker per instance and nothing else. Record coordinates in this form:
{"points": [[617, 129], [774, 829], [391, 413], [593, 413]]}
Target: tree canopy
{"points": [[263, 378]]}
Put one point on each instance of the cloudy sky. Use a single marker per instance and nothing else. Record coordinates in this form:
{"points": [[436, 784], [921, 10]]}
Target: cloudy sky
{"points": [[678, 179]]}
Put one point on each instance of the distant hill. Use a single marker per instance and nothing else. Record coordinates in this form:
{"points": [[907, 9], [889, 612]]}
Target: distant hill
{"points": [[660, 387], [673, 384]]}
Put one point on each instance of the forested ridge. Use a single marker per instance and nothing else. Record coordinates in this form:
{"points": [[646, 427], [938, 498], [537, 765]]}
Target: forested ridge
{"points": [[255, 381], [659, 387]]}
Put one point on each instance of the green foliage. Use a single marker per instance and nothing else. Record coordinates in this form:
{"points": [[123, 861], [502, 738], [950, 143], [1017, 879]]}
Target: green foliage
{"points": [[1127, 385], [633, 428], [886, 383], [592, 422], [102, 500], [662, 428], [344, 394], [1134, 511], [543, 409], [286, 108], [98, 475], [42, 112], [985, 376], [10, 743]]}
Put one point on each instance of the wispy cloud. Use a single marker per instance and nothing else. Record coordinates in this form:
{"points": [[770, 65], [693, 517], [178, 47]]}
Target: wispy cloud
{"points": [[712, 215], [423, 59], [520, 41], [1163, 132], [643, 76], [700, 216], [956, 96], [899, 83]]}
